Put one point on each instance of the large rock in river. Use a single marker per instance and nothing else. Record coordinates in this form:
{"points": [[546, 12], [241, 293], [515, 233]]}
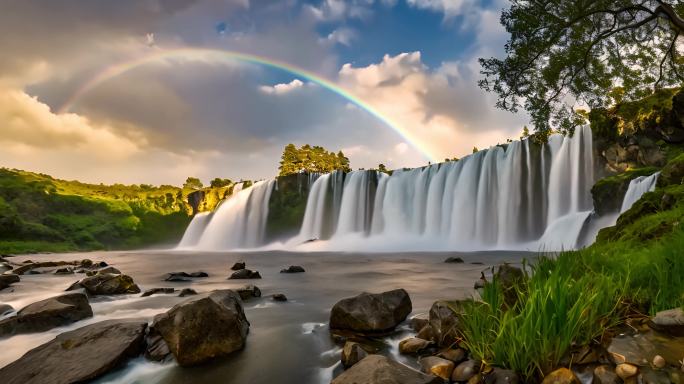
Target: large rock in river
{"points": [[377, 369], [47, 314], [107, 284], [444, 322], [369, 313], [78, 356], [205, 326]]}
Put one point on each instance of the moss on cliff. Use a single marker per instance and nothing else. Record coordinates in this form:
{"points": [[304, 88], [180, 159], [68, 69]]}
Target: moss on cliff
{"points": [[287, 205], [608, 192]]}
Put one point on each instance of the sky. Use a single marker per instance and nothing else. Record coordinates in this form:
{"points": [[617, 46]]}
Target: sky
{"points": [[136, 91]]}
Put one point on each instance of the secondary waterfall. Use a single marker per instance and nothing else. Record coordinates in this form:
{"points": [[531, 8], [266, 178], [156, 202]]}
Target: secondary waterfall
{"points": [[637, 187], [502, 197], [238, 222]]}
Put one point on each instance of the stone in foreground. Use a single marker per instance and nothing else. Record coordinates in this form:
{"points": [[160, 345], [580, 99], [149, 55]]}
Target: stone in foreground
{"points": [[249, 291], [444, 322], [413, 345], [352, 353], [370, 313], [561, 376], [670, 321], [437, 366], [465, 370], [107, 284], [47, 314], [376, 369], [156, 291], [80, 355], [279, 297], [245, 274], [206, 326]]}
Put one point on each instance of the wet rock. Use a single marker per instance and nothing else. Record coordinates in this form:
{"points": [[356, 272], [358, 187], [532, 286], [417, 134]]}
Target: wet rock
{"points": [[640, 349], [293, 269], [501, 376], [426, 333], [352, 353], [177, 277], [187, 292], [649, 376], [454, 260], [238, 266], [4, 267], [47, 314], [368, 312], [605, 374], [444, 322], [64, 271], [625, 371], [101, 264], [86, 263], [107, 284], [155, 291], [418, 322], [456, 355], [376, 369], [249, 291], [510, 279], [156, 348], [245, 274], [199, 274], [465, 370], [8, 279], [5, 309], [670, 321], [203, 327], [279, 297], [29, 265], [561, 376], [79, 356], [437, 366], [413, 345], [583, 355], [103, 271]]}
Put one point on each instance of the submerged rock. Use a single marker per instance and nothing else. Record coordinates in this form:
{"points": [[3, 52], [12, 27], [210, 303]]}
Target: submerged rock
{"points": [[279, 297], [293, 269], [47, 314], [64, 271], [107, 284], [245, 274], [103, 271], [352, 353], [376, 369], [605, 374], [238, 266], [369, 313], [203, 327], [561, 376], [177, 276], [670, 321], [78, 356], [155, 291], [454, 260], [29, 265], [187, 292]]}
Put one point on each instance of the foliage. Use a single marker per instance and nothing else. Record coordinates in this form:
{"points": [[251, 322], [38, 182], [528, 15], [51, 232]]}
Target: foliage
{"points": [[287, 205], [39, 213], [606, 191], [311, 159], [562, 54], [218, 182], [192, 183]]}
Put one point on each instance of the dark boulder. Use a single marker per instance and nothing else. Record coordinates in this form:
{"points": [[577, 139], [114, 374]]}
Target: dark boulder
{"points": [[64, 271], [352, 353], [8, 279], [501, 376], [103, 271], [203, 327], [377, 369], [79, 356], [199, 274], [107, 284], [670, 321], [245, 274], [249, 291], [370, 313], [177, 277], [47, 314], [5, 309], [238, 266], [444, 322], [279, 297], [187, 292], [156, 348], [465, 371], [293, 269], [155, 291], [454, 260]]}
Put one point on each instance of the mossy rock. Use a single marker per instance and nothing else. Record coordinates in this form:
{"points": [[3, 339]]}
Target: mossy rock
{"points": [[609, 192], [673, 172]]}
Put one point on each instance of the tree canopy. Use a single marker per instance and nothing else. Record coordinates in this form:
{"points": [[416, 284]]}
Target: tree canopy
{"points": [[565, 55], [219, 182], [311, 159], [192, 183]]}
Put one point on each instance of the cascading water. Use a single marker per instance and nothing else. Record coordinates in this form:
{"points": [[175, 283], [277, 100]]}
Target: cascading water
{"points": [[498, 198], [238, 222], [637, 188], [194, 231]]}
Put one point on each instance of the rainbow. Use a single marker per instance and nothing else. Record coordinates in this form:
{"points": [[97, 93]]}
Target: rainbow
{"points": [[204, 54]]}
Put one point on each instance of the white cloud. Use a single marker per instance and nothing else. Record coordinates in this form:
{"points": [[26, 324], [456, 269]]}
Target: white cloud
{"points": [[449, 8], [342, 36], [282, 88], [336, 10]]}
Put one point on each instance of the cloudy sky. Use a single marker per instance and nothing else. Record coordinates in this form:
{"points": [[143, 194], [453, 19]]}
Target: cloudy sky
{"points": [[128, 91]]}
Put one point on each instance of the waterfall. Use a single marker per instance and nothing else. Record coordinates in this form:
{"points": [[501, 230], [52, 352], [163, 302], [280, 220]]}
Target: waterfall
{"points": [[238, 222], [520, 194], [637, 188], [194, 231]]}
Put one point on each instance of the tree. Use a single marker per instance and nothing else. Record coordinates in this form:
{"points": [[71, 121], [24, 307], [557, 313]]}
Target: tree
{"points": [[218, 183], [475, 150], [192, 183], [314, 159], [564, 54]]}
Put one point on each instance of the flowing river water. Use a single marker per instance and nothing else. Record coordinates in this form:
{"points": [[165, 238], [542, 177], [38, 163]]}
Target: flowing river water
{"points": [[288, 342]]}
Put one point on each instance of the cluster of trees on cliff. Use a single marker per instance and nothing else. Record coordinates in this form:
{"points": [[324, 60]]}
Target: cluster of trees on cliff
{"points": [[309, 158]]}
